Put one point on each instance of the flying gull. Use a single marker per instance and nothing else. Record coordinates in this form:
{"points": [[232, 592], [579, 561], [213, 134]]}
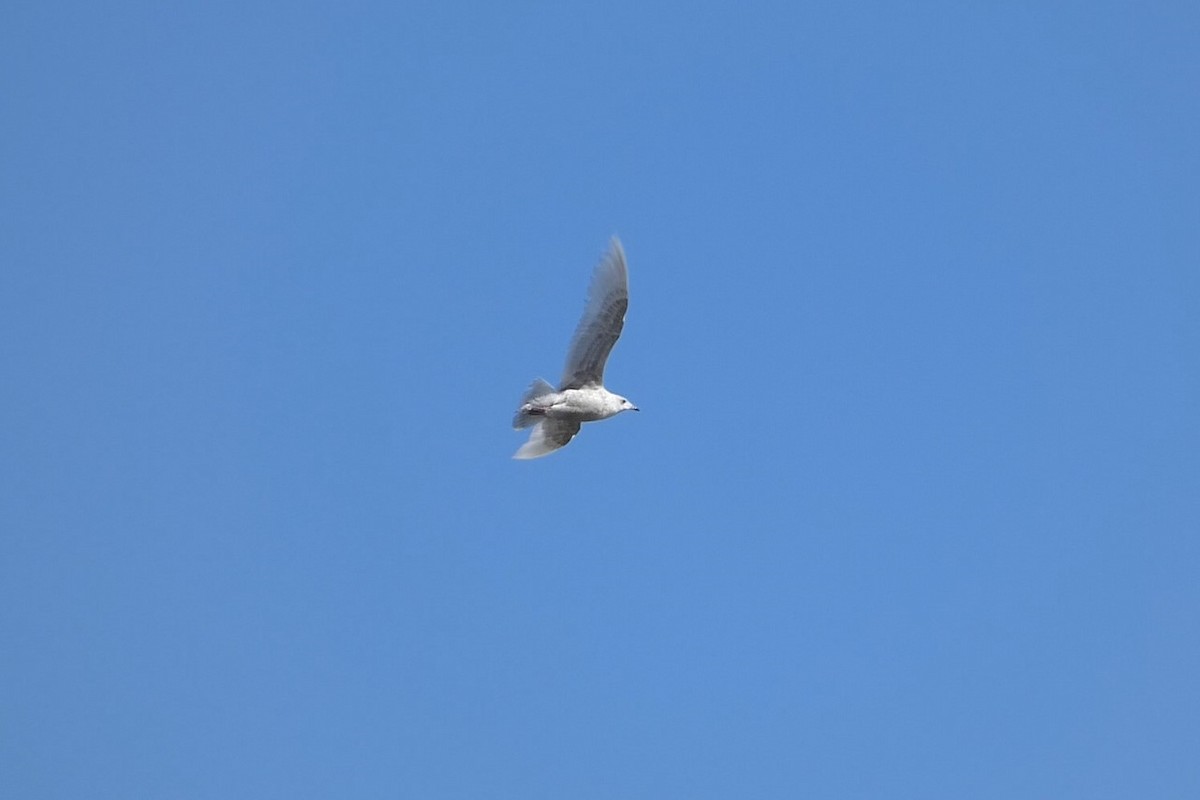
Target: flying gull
{"points": [[555, 415]]}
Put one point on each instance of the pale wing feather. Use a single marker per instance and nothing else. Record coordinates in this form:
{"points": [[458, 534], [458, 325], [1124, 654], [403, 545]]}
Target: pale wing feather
{"points": [[602, 321], [549, 435]]}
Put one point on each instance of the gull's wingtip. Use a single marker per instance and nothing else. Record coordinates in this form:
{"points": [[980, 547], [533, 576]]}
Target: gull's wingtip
{"points": [[614, 246], [532, 450]]}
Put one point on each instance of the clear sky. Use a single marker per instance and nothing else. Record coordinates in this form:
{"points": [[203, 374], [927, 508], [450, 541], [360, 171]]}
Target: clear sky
{"points": [[912, 506]]}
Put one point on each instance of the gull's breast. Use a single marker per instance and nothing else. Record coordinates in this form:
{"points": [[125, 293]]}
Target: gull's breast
{"points": [[582, 405]]}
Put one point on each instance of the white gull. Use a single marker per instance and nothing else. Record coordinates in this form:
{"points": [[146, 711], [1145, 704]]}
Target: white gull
{"points": [[556, 415]]}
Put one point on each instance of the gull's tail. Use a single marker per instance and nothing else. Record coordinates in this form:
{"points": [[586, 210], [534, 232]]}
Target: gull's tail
{"points": [[524, 418]]}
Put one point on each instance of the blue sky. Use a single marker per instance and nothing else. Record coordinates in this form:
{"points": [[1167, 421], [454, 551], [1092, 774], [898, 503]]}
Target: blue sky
{"points": [[911, 507]]}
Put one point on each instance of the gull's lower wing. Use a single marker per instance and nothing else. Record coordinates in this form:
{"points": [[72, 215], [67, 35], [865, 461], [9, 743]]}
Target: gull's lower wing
{"points": [[547, 436]]}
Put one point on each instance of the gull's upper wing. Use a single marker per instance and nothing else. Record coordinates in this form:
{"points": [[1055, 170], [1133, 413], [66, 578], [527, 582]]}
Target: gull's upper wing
{"points": [[603, 318], [548, 436]]}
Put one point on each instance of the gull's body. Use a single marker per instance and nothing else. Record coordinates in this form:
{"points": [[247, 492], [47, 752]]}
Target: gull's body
{"points": [[556, 414]]}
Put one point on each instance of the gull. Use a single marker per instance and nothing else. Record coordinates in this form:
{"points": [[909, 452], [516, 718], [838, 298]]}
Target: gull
{"points": [[555, 415]]}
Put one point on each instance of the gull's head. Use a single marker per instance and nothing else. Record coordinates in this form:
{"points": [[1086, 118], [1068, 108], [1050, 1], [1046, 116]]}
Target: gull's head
{"points": [[625, 405]]}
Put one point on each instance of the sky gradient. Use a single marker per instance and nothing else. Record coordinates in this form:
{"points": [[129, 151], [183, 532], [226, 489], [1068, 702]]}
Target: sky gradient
{"points": [[911, 506]]}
